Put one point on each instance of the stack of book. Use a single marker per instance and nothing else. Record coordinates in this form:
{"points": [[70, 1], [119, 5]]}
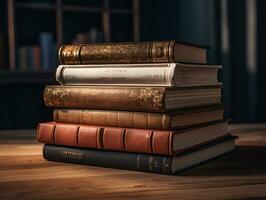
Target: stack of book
{"points": [[136, 106]]}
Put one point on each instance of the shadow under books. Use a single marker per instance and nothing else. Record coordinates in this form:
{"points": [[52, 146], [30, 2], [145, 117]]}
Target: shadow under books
{"points": [[245, 160]]}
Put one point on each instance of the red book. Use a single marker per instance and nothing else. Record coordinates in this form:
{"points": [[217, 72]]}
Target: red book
{"points": [[130, 140]]}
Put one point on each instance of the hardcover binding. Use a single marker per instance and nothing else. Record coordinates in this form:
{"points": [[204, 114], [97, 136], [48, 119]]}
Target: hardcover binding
{"points": [[151, 99], [131, 98], [111, 159], [117, 53], [119, 139], [113, 118]]}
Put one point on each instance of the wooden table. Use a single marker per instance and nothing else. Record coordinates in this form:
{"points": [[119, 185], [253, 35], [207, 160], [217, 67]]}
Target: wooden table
{"points": [[24, 174]]}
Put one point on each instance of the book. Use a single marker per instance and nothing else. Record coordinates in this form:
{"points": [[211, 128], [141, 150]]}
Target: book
{"points": [[23, 58], [47, 50], [146, 120], [137, 161], [153, 99], [129, 140], [156, 74], [35, 58], [138, 52]]}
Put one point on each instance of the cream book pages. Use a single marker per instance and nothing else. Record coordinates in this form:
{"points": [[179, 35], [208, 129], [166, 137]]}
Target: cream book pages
{"points": [[163, 74]]}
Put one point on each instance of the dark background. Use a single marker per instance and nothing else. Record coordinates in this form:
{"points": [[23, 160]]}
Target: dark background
{"points": [[220, 25]]}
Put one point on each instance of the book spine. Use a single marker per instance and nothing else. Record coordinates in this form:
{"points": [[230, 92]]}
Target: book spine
{"points": [[23, 58], [46, 42], [131, 98], [148, 52], [144, 120], [126, 74], [109, 138], [119, 160]]}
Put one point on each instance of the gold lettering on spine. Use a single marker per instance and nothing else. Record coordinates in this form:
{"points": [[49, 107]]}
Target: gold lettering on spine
{"points": [[164, 165], [72, 154], [138, 162], [151, 163]]}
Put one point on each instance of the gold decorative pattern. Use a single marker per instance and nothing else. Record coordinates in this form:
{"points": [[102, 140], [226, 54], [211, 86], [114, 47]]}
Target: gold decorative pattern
{"points": [[148, 98], [117, 98], [142, 52], [160, 52], [69, 54]]}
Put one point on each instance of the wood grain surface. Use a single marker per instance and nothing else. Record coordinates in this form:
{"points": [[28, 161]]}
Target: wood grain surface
{"points": [[24, 174]]}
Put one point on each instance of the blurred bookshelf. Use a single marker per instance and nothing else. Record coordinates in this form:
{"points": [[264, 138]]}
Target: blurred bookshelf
{"points": [[31, 31]]}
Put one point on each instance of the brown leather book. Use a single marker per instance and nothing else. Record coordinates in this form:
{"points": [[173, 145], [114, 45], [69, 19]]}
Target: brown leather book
{"points": [[141, 52], [130, 140], [153, 99], [146, 120]]}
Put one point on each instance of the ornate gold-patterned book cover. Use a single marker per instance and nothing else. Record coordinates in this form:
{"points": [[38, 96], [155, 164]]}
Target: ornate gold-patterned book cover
{"points": [[153, 99], [114, 98], [141, 52]]}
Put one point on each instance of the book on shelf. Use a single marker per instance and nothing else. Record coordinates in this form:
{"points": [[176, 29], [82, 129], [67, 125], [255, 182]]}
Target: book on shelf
{"points": [[150, 99], [91, 37], [48, 49], [146, 120], [29, 58], [140, 161], [138, 52], [39, 57], [155, 74], [129, 140]]}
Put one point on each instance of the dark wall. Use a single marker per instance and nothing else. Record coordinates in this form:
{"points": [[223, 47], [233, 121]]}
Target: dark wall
{"points": [[199, 22], [192, 21], [261, 41]]}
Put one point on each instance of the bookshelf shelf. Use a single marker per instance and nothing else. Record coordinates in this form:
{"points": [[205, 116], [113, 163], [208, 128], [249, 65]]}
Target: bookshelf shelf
{"points": [[88, 15], [121, 11], [81, 9], [41, 6]]}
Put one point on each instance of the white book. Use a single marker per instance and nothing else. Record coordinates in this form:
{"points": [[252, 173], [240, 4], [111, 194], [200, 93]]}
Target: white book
{"points": [[161, 74]]}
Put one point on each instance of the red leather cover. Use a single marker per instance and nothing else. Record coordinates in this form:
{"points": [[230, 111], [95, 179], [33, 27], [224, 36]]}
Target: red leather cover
{"points": [[161, 142], [113, 138], [66, 134], [138, 140], [88, 137], [46, 132], [109, 138]]}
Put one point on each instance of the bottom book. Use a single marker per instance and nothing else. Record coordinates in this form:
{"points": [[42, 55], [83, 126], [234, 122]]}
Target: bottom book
{"points": [[140, 162]]}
